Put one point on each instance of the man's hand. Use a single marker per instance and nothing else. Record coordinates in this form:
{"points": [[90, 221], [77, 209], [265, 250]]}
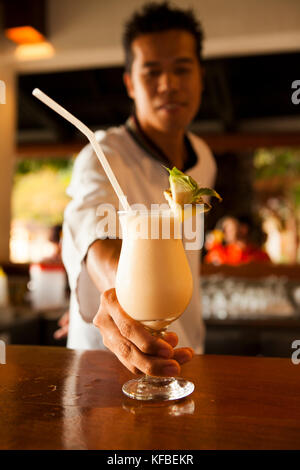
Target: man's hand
{"points": [[63, 322], [134, 346]]}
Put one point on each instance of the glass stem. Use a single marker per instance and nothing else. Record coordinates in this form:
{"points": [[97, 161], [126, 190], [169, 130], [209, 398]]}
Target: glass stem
{"points": [[156, 380]]}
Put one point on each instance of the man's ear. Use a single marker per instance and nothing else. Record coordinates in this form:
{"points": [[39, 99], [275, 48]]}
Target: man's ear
{"points": [[128, 84]]}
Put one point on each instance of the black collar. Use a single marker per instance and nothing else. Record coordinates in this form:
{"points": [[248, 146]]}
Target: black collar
{"points": [[133, 127]]}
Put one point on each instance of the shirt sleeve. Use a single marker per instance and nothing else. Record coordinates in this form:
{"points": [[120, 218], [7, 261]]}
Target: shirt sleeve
{"points": [[89, 190]]}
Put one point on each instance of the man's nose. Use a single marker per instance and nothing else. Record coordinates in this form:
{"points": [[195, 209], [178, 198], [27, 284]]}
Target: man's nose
{"points": [[168, 82]]}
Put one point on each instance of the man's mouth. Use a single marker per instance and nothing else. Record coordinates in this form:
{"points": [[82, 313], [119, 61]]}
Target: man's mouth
{"points": [[171, 106]]}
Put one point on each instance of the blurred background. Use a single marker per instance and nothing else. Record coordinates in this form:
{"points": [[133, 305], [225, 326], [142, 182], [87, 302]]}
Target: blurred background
{"points": [[250, 117]]}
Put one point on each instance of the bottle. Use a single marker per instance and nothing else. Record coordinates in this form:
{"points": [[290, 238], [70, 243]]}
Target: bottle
{"points": [[47, 286]]}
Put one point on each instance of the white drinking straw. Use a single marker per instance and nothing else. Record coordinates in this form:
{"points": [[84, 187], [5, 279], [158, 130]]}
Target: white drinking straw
{"points": [[91, 137]]}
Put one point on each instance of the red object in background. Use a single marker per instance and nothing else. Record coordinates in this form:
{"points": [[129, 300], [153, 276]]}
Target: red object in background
{"points": [[48, 266], [235, 254]]}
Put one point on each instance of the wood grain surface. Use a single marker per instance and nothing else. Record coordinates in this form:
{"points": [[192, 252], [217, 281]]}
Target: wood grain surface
{"points": [[55, 398]]}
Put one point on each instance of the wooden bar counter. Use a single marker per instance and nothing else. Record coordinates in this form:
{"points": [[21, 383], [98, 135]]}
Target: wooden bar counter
{"points": [[55, 398]]}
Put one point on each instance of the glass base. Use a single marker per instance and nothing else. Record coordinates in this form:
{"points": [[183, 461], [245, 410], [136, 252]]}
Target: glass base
{"points": [[158, 388]]}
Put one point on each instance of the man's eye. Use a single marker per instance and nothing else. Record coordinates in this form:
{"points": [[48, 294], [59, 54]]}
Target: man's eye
{"points": [[153, 73], [182, 70]]}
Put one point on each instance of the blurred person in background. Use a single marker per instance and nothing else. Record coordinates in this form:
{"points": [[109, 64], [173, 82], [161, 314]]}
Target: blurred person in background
{"points": [[236, 240]]}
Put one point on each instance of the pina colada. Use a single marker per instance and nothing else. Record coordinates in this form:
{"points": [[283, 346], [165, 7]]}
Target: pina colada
{"points": [[154, 283]]}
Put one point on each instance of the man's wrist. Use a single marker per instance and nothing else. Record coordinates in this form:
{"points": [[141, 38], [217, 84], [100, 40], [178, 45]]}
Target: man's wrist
{"points": [[102, 262]]}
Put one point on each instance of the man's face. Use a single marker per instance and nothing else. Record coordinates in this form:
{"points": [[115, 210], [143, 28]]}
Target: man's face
{"points": [[165, 80]]}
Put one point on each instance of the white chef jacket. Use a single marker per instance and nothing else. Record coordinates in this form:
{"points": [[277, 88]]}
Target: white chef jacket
{"points": [[143, 180]]}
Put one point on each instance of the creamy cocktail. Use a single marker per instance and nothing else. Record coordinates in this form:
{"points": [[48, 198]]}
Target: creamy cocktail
{"points": [[154, 283]]}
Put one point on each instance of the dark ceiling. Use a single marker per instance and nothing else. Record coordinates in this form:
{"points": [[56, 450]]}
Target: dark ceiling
{"points": [[236, 89]]}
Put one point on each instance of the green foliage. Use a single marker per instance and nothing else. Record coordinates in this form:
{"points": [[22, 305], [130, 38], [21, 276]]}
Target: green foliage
{"points": [[39, 192], [282, 162], [295, 194], [276, 162], [34, 165]]}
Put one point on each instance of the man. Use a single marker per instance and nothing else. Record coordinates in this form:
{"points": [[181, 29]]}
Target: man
{"points": [[164, 78]]}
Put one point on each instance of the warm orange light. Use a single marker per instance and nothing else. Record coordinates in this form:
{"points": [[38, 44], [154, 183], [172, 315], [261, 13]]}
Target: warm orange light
{"points": [[42, 50], [24, 35]]}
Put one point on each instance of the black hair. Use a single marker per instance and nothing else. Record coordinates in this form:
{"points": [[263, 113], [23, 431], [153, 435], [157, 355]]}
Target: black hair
{"points": [[245, 219], [155, 17]]}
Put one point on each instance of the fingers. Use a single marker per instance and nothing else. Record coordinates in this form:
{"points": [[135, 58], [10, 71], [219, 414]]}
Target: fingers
{"points": [[61, 333], [133, 345], [133, 330], [171, 338], [64, 319], [63, 322], [132, 358], [183, 355]]}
